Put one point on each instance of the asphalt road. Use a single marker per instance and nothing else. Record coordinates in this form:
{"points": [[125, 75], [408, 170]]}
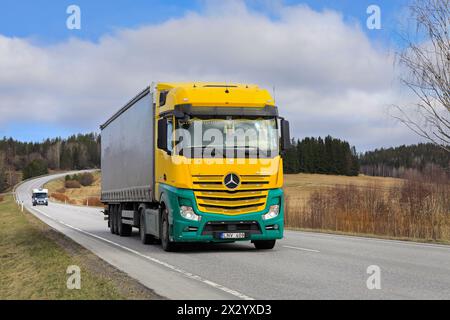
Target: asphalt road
{"points": [[302, 266]]}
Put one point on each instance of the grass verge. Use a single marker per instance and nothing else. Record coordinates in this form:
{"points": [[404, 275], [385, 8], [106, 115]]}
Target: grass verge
{"points": [[34, 259]]}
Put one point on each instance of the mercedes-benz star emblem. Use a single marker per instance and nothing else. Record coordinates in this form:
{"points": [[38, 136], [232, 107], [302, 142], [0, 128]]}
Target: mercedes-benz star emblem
{"points": [[231, 181]]}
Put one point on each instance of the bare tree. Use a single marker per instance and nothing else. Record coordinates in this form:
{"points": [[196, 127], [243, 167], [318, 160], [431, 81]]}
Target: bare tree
{"points": [[425, 63]]}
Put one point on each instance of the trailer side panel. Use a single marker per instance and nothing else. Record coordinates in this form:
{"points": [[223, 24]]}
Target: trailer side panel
{"points": [[128, 153]]}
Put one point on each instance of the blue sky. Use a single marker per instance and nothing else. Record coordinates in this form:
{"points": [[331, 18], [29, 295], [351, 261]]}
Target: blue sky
{"points": [[37, 30], [44, 20]]}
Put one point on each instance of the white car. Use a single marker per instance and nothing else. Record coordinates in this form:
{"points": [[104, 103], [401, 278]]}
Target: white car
{"points": [[40, 197]]}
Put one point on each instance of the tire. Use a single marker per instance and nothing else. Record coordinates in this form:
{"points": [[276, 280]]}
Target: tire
{"points": [[114, 219], [145, 238], [123, 230], [127, 230], [167, 245], [111, 218], [264, 244]]}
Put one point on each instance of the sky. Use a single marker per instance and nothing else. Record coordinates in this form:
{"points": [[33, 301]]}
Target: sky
{"points": [[329, 72]]}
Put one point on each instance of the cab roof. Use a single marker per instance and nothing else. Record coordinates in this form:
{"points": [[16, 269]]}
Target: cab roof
{"points": [[215, 94]]}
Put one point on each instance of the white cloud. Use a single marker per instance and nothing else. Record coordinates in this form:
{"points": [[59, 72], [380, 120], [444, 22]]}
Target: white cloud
{"points": [[329, 78]]}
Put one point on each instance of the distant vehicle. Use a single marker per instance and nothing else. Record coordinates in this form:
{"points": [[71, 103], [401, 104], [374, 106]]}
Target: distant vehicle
{"points": [[175, 195], [40, 197]]}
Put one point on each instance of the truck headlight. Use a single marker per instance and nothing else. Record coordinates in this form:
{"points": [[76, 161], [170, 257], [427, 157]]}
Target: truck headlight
{"points": [[274, 211], [189, 214]]}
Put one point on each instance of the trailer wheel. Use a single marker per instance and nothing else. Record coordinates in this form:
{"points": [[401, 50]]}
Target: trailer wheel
{"points": [[123, 230], [111, 218], [264, 244], [167, 245], [114, 219], [145, 238]]}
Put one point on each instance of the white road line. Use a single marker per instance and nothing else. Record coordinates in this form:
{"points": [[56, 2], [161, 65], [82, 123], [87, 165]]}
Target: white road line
{"points": [[162, 263], [302, 249], [388, 241]]}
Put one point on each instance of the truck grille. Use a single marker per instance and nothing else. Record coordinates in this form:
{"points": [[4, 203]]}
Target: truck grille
{"points": [[213, 197]]}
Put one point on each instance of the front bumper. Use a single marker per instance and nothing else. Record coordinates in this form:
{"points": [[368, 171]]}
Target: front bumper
{"points": [[206, 230], [40, 203]]}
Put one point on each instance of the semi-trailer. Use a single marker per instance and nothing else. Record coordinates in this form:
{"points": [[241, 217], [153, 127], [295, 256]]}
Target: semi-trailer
{"points": [[195, 162]]}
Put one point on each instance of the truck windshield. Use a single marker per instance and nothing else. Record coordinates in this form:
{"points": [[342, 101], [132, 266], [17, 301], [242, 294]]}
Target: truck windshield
{"points": [[40, 195], [227, 137]]}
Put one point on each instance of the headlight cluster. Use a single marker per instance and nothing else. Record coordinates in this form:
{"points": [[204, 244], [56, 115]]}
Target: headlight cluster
{"points": [[274, 211], [188, 213]]}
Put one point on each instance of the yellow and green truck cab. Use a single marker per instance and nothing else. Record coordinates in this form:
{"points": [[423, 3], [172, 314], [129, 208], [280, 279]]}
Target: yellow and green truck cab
{"points": [[196, 162]]}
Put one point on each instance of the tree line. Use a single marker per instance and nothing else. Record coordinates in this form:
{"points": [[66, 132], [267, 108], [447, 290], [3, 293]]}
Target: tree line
{"points": [[325, 156], [424, 158], [77, 152]]}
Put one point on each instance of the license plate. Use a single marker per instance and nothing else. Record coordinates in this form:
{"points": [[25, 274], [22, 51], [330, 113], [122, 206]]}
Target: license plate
{"points": [[232, 235]]}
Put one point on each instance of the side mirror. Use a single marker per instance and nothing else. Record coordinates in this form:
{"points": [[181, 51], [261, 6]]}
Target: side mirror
{"points": [[285, 135], [162, 134]]}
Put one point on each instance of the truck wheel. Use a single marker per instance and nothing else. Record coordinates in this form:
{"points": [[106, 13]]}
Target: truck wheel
{"points": [[167, 245], [124, 230], [145, 238], [264, 244], [114, 219], [111, 218]]}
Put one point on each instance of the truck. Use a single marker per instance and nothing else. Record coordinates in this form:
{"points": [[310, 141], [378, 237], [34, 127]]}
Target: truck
{"points": [[39, 197], [195, 162]]}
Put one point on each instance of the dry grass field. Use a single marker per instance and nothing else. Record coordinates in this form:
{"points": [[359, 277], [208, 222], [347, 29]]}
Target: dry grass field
{"points": [[417, 208], [89, 195], [299, 187]]}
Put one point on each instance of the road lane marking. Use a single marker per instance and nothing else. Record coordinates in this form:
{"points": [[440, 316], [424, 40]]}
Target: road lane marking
{"points": [[350, 237], [157, 261], [302, 249]]}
